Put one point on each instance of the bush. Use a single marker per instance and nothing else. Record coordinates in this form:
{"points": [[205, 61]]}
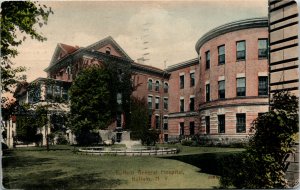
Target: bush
{"points": [[61, 139], [187, 142], [4, 146], [149, 137]]}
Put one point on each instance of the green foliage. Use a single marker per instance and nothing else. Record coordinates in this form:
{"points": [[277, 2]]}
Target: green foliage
{"points": [[149, 137], [139, 117], [264, 163], [139, 122], [93, 98], [19, 19], [61, 139]]}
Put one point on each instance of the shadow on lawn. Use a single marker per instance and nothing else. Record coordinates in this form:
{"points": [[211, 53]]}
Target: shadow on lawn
{"points": [[209, 163], [56, 179]]}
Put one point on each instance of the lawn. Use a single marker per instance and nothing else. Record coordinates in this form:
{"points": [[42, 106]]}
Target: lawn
{"points": [[35, 168]]}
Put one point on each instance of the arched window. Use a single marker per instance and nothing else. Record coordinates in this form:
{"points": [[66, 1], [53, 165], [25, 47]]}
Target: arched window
{"points": [[157, 86], [107, 50], [166, 87], [150, 84]]}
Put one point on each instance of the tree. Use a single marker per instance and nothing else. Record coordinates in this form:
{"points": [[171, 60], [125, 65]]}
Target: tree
{"points": [[139, 122], [98, 94], [19, 19], [263, 165]]}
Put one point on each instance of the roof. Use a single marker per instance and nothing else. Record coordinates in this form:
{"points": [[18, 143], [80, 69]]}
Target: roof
{"points": [[109, 40], [230, 27], [182, 65], [69, 49]]}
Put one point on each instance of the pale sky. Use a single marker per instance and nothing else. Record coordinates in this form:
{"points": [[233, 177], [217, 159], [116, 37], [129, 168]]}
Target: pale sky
{"points": [[171, 28]]}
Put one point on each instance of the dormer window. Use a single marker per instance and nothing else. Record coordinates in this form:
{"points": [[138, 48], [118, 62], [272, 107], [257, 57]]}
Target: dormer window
{"points": [[107, 50]]}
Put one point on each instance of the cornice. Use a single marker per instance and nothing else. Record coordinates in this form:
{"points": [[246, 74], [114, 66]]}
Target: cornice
{"points": [[182, 65], [231, 27]]}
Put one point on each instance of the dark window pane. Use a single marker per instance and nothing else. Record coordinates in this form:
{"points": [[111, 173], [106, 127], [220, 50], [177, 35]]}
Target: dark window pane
{"points": [[156, 102], [241, 87], [157, 86], [207, 91], [241, 50], [150, 102], [192, 79], [165, 123], [221, 123], [221, 51], [192, 128], [192, 104], [166, 88], [222, 89], [166, 103], [182, 81], [262, 48], [262, 86], [207, 55], [241, 123], [182, 105], [181, 128], [149, 84], [207, 124], [157, 121]]}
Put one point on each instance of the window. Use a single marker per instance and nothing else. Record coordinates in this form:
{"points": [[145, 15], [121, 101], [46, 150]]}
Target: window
{"points": [[262, 48], [221, 123], [240, 50], [221, 51], [263, 86], [192, 128], [119, 98], [181, 105], [49, 92], [166, 103], [149, 102], [241, 87], [157, 122], [192, 104], [166, 137], [207, 124], [57, 91], [149, 121], [149, 84], [207, 92], [240, 123], [165, 123], [166, 87], [157, 86], [119, 120], [222, 89], [181, 124], [64, 93], [181, 81], [207, 56], [107, 50], [192, 79], [156, 102]]}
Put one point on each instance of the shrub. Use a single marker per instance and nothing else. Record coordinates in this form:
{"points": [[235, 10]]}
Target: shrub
{"points": [[187, 142]]}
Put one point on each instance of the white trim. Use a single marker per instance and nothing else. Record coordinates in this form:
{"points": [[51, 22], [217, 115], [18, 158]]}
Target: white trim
{"points": [[87, 57], [181, 98], [166, 116], [166, 97], [157, 96], [157, 114], [192, 71], [157, 81], [150, 79], [181, 74], [206, 82], [262, 74], [240, 75], [221, 78], [192, 96], [150, 95]]}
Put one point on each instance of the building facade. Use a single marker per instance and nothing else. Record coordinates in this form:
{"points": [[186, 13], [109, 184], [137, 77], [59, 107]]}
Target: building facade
{"points": [[284, 50], [216, 95], [233, 76]]}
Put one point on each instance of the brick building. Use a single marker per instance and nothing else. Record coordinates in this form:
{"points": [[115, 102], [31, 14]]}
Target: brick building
{"points": [[227, 82], [233, 76]]}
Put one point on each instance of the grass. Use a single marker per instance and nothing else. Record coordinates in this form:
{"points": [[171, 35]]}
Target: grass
{"points": [[61, 168]]}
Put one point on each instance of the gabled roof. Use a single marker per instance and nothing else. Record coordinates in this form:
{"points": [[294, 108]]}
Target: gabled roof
{"points": [[67, 49], [108, 40]]}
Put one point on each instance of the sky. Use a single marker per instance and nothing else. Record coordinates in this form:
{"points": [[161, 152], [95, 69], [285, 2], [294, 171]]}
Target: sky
{"points": [[168, 29]]}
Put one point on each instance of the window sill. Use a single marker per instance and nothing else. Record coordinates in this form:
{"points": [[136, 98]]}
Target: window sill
{"points": [[263, 58], [240, 60]]}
